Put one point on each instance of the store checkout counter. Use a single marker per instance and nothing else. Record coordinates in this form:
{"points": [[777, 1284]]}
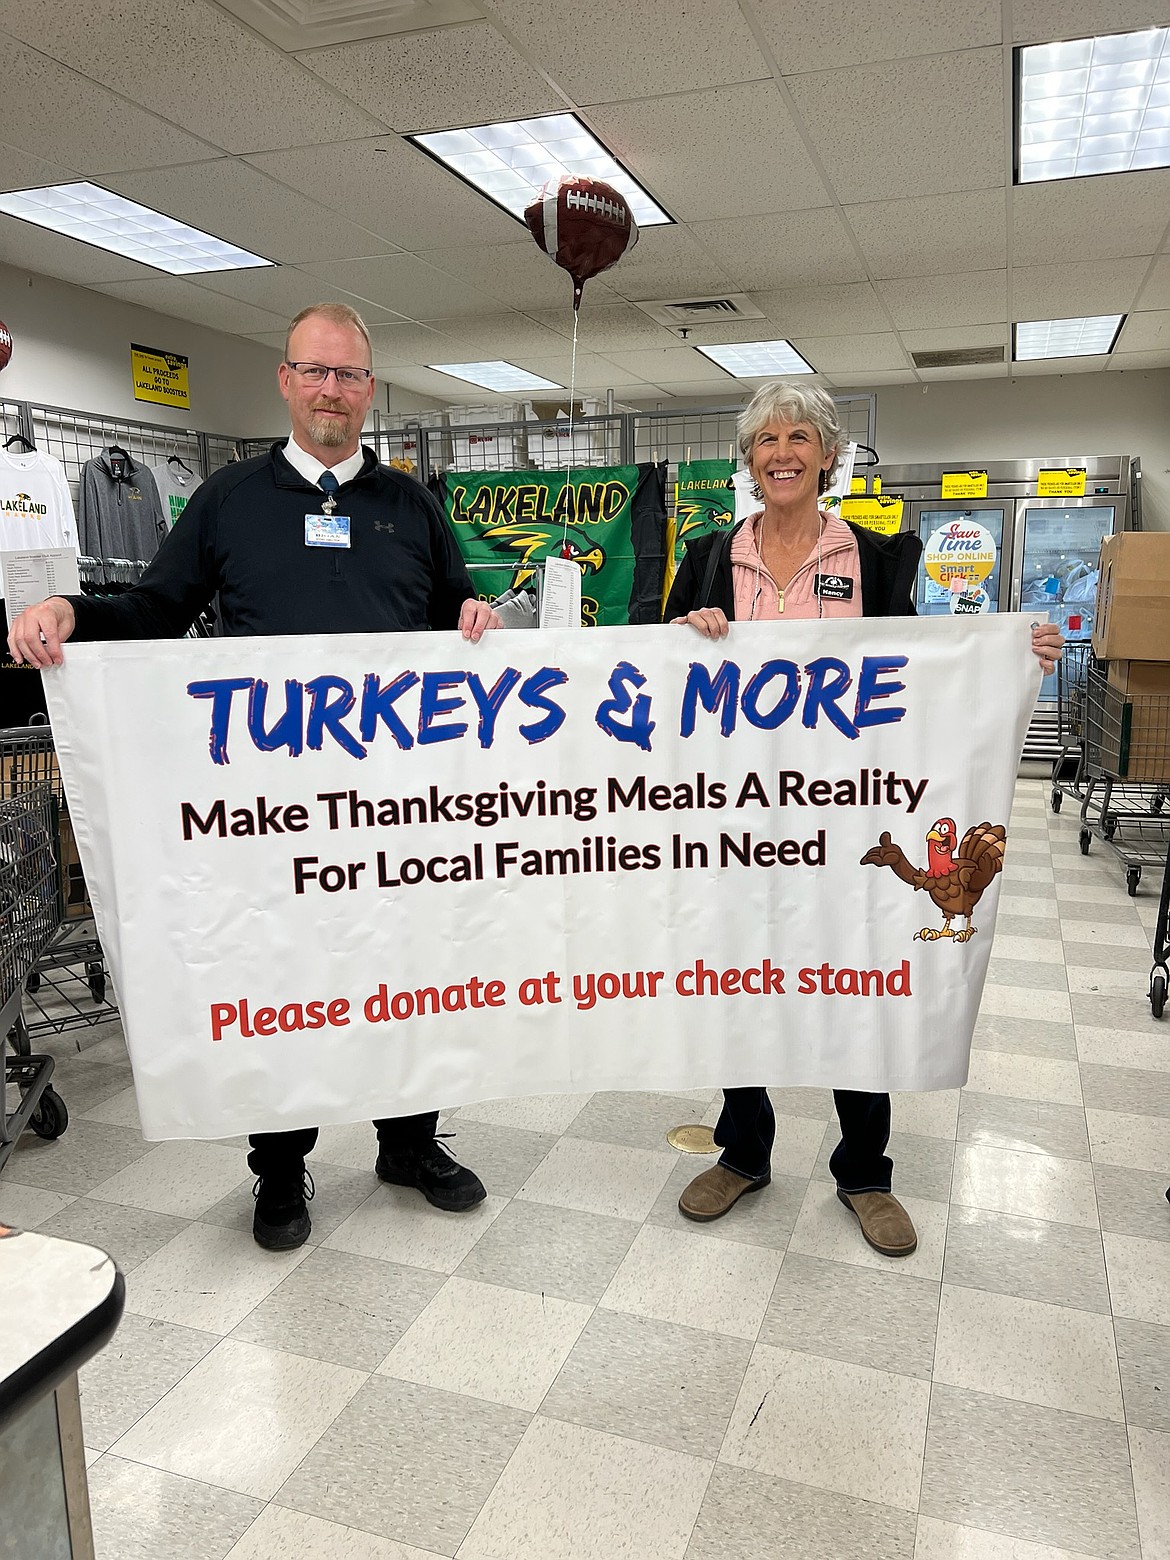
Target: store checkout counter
{"points": [[59, 1304]]}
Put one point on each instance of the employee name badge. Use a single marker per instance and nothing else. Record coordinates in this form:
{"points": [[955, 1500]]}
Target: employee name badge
{"points": [[326, 530], [833, 587]]}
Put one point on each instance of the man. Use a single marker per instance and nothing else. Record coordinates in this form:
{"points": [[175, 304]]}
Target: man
{"points": [[313, 538]]}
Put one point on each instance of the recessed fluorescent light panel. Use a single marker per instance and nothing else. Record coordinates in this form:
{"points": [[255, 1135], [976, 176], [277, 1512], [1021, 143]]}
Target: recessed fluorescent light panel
{"points": [[495, 376], [1094, 105], [109, 221], [1066, 338], [511, 163], [758, 359]]}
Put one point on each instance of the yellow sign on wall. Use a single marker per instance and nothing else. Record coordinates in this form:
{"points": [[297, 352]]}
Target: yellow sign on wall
{"points": [[1067, 482], [964, 484], [880, 512], [160, 377]]}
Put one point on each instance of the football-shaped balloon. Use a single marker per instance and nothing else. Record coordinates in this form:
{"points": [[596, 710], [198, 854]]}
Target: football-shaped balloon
{"points": [[584, 225], [5, 345]]}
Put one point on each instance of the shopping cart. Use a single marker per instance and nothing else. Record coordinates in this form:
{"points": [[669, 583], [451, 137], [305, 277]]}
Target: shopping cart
{"points": [[1068, 772], [1127, 774], [30, 913]]}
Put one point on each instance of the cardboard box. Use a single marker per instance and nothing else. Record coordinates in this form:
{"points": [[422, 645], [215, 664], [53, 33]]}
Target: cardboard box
{"points": [[1132, 620], [1130, 677]]}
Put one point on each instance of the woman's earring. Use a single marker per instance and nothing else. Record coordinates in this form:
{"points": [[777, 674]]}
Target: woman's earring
{"points": [[756, 490], [822, 481]]}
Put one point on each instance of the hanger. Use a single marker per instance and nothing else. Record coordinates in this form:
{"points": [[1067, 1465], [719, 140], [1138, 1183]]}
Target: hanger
{"points": [[19, 438], [116, 449], [875, 458], [177, 460]]}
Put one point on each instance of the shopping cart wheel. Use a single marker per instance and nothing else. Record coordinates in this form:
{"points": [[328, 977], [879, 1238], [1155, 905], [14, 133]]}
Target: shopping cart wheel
{"points": [[1158, 995], [1057, 798], [1110, 827], [1086, 840], [1133, 876], [50, 1118], [96, 977], [32, 982]]}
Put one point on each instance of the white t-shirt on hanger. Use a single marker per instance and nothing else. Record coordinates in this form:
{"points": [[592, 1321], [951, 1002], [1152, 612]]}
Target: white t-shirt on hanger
{"points": [[36, 511]]}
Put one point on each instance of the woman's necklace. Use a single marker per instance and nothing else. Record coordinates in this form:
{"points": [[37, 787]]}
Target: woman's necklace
{"points": [[779, 588]]}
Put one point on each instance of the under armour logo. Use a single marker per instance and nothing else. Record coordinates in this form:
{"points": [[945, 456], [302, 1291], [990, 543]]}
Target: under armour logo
{"points": [[383, 525]]}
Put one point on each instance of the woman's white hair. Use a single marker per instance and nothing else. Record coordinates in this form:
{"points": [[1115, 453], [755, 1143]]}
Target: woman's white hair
{"points": [[782, 401]]}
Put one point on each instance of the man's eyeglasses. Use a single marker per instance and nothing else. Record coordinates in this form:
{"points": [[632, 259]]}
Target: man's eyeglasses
{"points": [[317, 374]]}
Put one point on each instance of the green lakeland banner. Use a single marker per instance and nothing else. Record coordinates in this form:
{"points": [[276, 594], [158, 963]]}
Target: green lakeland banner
{"points": [[508, 522], [704, 501]]}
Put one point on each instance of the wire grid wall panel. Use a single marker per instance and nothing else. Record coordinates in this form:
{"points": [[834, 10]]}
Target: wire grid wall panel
{"points": [[530, 444], [220, 451], [77, 437], [10, 420]]}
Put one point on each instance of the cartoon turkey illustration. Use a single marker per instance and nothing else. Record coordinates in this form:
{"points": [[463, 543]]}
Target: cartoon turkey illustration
{"points": [[956, 882]]}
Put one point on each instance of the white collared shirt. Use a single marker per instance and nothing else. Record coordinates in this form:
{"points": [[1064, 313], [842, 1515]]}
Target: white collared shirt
{"points": [[311, 468]]}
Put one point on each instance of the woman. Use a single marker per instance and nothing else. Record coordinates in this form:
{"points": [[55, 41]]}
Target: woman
{"points": [[789, 561]]}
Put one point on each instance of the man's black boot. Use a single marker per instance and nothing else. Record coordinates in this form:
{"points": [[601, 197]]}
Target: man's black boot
{"points": [[442, 1180], [281, 1220]]}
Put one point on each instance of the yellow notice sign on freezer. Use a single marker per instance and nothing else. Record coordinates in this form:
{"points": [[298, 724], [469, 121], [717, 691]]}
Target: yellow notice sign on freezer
{"points": [[160, 377], [880, 512], [1067, 482], [964, 484]]}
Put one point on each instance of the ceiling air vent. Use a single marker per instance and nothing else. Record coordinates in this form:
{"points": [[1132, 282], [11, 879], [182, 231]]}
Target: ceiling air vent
{"points": [[673, 312], [314, 24], [958, 357]]}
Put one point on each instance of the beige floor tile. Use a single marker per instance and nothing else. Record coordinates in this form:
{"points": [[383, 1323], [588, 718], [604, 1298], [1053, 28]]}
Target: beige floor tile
{"points": [[1041, 950], [207, 1278], [119, 1110], [932, 1114], [400, 1227], [180, 1178], [278, 1534], [1087, 980], [546, 1507], [1024, 1077], [603, 1178], [279, 1406], [1028, 1351], [140, 1364], [26, 1207], [1019, 1002], [142, 1513], [1139, 1277], [1149, 1451], [949, 1541], [503, 1345], [825, 1228], [1033, 1259], [1035, 1186], [684, 1277], [537, 1113], [831, 1424], [747, 1514], [1122, 1048], [1135, 1142]]}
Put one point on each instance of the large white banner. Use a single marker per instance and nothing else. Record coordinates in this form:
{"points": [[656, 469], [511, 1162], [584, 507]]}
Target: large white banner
{"points": [[348, 877]]}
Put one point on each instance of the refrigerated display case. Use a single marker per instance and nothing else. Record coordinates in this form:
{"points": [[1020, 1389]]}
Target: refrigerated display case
{"points": [[1045, 549]]}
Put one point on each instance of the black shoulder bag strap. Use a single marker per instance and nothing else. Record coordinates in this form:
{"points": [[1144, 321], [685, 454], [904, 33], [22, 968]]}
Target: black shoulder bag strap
{"points": [[712, 564]]}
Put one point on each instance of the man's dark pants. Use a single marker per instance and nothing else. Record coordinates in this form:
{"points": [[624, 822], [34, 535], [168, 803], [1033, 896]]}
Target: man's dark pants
{"points": [[281, 1155], [747, 1128]]}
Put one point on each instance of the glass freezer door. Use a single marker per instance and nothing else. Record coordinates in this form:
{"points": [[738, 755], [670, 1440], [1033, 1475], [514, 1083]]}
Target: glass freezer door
{"points": [[946, 581], [1056, 566]]}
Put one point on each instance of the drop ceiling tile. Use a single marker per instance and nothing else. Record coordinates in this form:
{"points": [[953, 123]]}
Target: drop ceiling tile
{"points": [[665, 366], [699, 391], [195, 66], [928, 302], [929, 126], [1148, 331], [491, 336], [784, 249], [1044, 21], [618, 327], [410, 346], [802, 36], [396, 191], [833, 354], [949, 339], [849, 310], [234, 201], [1155, 294], [99, 132], [31, 248], [620, 49], [874, 380], [171, 295], [266, 338], [932, 234], [1090, 219], [432, 80], [19, 170], [1061, 292], [404, 284], [1140, 362], [441, 387], [702, 153], [521, 276], [285, 290], [594, 371], [667, 262], [1057, 367]]}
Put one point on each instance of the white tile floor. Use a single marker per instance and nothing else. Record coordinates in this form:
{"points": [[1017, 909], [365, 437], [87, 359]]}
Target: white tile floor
{"points": [[573, 1371]]}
